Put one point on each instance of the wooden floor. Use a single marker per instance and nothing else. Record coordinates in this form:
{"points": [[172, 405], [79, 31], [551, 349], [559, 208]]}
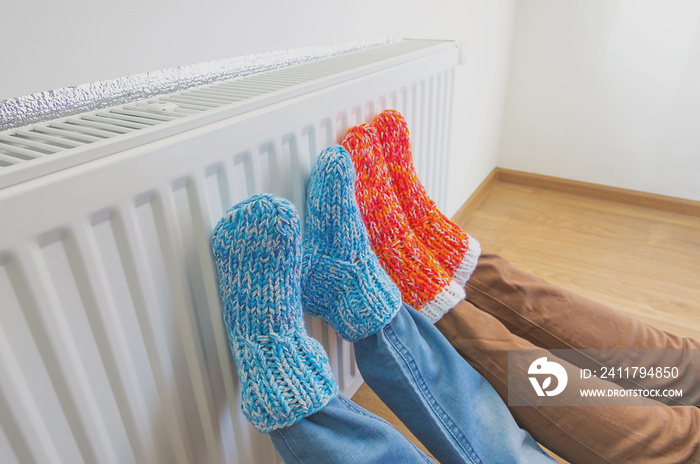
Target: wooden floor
{"points": [[642, 261]]}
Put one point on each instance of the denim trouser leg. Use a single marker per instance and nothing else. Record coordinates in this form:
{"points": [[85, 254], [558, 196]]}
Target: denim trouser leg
{"points": [[343, 432], [447, 405]]}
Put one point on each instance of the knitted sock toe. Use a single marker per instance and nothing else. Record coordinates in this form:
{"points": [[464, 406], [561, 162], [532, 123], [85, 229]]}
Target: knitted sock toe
{"points": [[453, 248], [342, 280], [284, 373], [424, 284]]}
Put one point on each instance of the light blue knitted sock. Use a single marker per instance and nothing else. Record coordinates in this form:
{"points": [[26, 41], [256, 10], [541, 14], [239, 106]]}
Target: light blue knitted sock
{"points": [[342, 280], [284, 373]]}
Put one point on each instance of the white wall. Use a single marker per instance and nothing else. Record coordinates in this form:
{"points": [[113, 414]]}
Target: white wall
{"points": [[480, 98], [52, 44], [606, 91]]}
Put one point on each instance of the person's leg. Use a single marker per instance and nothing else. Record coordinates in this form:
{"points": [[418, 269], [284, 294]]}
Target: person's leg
{"points": [[452, 247], [573, 427], [552, 317], [344, 432], [452, 410], [546, 315], [338, 263], [287, 386], [284, 373], [580, 434], [424, 284], [445, 403]]}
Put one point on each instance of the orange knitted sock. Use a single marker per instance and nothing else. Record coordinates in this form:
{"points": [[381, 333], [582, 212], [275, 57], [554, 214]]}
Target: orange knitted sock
{"points": [[424, 284], [452, 247]]}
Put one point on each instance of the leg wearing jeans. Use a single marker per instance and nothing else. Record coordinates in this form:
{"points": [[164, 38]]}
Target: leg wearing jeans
{"points": [[580, 434], [344, 432], [445, 403], [287, 386]]}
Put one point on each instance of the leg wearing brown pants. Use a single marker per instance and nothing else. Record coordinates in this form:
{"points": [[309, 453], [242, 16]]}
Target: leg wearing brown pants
{"points": [[552, 317], [580, 434]]}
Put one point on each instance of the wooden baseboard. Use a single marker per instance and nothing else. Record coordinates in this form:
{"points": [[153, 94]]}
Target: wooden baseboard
{"points": [[601, 192], [587, 189], [476, 198]]}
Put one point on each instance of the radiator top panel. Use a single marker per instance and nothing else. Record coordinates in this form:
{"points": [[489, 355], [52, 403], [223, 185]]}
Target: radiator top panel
{"points": [[42, 148]]}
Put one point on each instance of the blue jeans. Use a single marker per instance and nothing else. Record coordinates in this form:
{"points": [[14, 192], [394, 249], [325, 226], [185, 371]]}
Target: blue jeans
{"points": [[345, 433], [445, 403]]}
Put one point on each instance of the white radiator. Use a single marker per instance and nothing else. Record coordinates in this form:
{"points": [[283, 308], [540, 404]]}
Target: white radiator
{"points": [[112, 346]]}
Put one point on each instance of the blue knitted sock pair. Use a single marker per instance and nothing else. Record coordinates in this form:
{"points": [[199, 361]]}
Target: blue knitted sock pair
{"points": [[284, 374]]}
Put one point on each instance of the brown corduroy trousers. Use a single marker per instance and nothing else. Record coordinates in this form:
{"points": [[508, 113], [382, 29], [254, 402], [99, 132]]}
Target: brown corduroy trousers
{"points": [[507, 309]]}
